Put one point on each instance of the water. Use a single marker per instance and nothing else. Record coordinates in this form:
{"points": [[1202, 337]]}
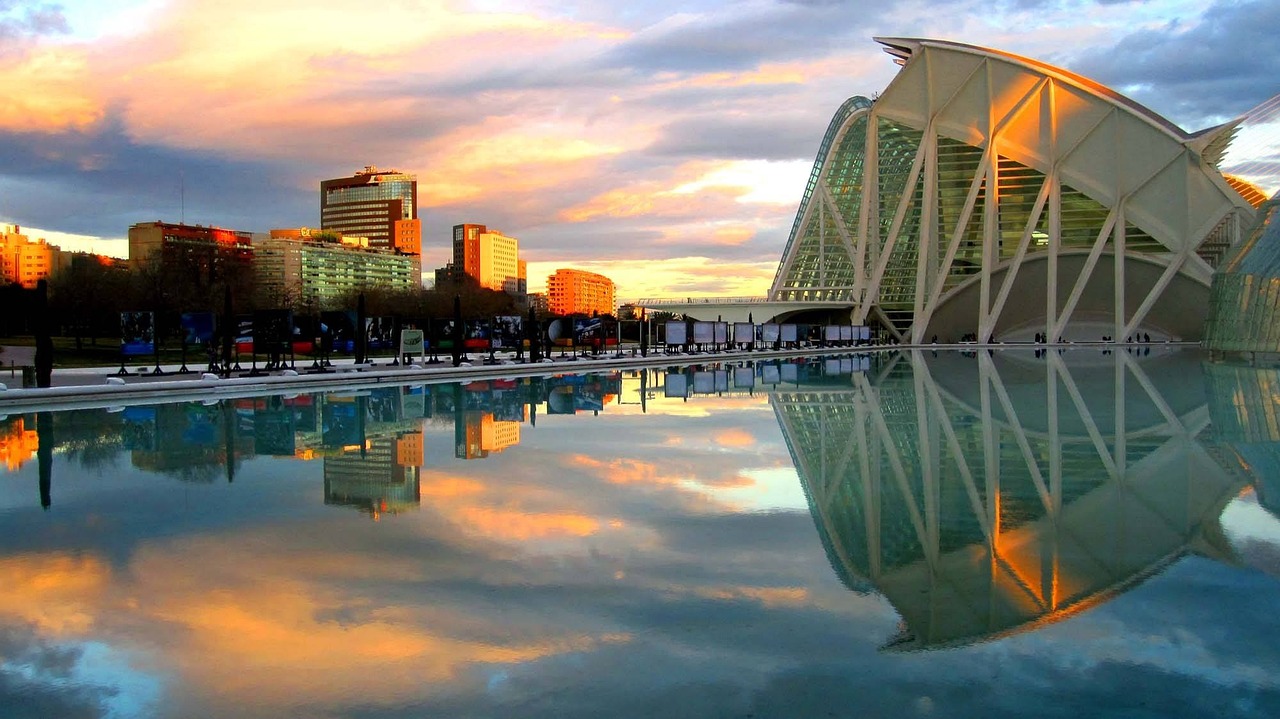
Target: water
{"points": [[1076, 534]]}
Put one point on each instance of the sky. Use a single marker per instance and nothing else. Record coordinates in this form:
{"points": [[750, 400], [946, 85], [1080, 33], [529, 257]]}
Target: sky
{"points": [[663, 144]]}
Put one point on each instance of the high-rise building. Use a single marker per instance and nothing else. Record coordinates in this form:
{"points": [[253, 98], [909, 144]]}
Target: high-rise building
{"points": [[317, 268], [380, 205], [579, 292], [490, 257], [22, 261]]}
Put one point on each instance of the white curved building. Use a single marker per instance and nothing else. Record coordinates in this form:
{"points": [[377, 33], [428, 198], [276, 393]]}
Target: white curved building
{"points": [[993, 195]]}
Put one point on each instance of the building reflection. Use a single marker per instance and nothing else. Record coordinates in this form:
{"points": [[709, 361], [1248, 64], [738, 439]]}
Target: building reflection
{"points": [[986, 495], [18, 442]]}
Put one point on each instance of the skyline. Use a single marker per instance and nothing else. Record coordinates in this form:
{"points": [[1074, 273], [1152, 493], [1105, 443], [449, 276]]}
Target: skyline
{"points": [[665, 150]]}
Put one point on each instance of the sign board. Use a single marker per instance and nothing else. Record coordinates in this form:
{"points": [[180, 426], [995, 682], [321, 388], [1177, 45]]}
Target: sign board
{"points": [[846, 333], [137, 333], [703, 333], [744, 332], [831, 333], [412, 342], [508, 331], [721, 333], [769, 333], [676, 333], [788, 333], [197, 327]]}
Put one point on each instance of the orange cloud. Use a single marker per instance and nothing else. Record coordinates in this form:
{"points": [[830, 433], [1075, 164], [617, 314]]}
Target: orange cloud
{"points": [[48, 90], [58, 593], [735, 438], [512, 524]]}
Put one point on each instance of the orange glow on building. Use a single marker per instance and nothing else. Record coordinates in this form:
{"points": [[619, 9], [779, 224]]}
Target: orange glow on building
{"points": [[22, 261], [578, 291], [489, 257]]}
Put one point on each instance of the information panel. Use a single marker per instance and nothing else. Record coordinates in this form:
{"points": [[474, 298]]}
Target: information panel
{"points": [[744, 332], [831, 333], [788, 333], [769, 333], [703, 333], [676, 334], [721, 333]]}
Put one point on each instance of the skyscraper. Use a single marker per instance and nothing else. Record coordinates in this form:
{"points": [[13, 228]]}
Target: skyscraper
{"points": [[379, 205], [490, 257]]}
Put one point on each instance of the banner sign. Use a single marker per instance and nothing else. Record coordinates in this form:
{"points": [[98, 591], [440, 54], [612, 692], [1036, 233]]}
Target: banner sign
{"points": [[846, 333], [769, 374], [272, 330], [704, 383], [787, 333], [703, 332], [769, 333], [411, 342], [722, 333], [338, 330], [676, 334], [587, 329], [443, 333], [831, 333], [197, 327], [744, 332], [137, 333], [478, 333], [676, 385], [508, 331]]}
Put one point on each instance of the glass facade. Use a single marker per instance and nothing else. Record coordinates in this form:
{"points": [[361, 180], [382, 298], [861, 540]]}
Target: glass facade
{"points": [[1244, 310], [956, 196], [370, 204]]}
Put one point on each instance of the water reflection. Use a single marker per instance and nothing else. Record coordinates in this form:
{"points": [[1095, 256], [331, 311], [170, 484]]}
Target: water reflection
{"points": [[989, 494], [636, 557]]}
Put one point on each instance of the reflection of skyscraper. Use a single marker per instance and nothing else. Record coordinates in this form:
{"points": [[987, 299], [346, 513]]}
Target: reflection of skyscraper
{"points": [[981, 503], [483, 434], [381, 477]]}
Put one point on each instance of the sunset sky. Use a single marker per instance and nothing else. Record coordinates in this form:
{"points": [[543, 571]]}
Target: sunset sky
{"points": [[663, 144]]}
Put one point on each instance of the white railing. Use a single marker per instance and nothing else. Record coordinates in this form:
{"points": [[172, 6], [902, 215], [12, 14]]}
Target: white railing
{"points": [[703, 301]]}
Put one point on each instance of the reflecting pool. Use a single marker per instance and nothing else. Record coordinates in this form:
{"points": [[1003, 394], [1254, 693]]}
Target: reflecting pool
{"points": [[1067, 534]]}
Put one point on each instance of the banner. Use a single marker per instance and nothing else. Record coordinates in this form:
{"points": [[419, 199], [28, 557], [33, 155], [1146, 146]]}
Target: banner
{"points": [[587, 330], [769, 333], [846, 333], [831, 333], [703, 333], [676, 384], [704, 382], [508, 331], [477, 334], [676, 333], [442, 333], [769, 374], [197, 327], [788, 333], [338, 330], [379, 331], [721, 333], [411, 342], [272, 330], [137, 333], [744, 332]]}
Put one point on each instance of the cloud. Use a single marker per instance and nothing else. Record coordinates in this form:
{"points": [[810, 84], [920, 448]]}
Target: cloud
{"points": [[1192, 70]]}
